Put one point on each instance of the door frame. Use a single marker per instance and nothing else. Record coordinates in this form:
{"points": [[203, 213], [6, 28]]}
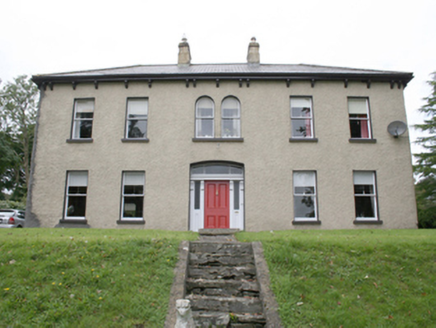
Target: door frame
{"points": [[197, 195]]}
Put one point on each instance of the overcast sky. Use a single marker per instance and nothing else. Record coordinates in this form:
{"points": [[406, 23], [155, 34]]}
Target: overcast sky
{"points": [[48, 36]]}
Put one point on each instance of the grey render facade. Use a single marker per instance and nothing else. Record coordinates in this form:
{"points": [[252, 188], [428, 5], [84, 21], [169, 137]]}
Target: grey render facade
{"points": [[248, 146]]}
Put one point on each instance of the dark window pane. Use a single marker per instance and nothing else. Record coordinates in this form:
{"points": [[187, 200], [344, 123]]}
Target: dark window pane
{"points": [[197, 195], [363, 189], [134, 190], [304, 207], [85, 115], [217, 169], [137, 129], [76, 206], [76, 190], [236, 194], [133, 207], [85, 129], [365, 207]]}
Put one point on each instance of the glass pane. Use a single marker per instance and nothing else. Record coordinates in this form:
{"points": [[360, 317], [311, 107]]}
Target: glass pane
{"points": [[230, 112], [85, 115], [236, 195], [303, 179], [235, 170], [365, 207], [230, 102], [301, 112], [76, 206], [357, 106], [83, 129], [204, 128], [204, 112], [197, 195], [230, 128], [305, 190], [77, 190], [304, 207], [217, 169], [137, 107], [84, 105], [137, 129], [133, 207], [301, 128], [133, 190], [364, 189], [359, 128], [197, 170], [363, 178], [78, 179]]}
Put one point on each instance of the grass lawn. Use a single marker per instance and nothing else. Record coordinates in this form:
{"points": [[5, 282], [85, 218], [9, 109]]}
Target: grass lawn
{"points": [[352, 278], [122, 278], [86, 277]]}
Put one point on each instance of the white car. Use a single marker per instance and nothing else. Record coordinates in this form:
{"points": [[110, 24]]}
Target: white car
{"points": [[12, 218]]}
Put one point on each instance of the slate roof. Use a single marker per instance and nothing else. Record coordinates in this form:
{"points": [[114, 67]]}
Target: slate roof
{"points": [[223, 71]]}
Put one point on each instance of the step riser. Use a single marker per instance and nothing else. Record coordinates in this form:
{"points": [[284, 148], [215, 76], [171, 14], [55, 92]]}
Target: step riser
{"points": [[207, 304], [238, 273], [222, 249]]}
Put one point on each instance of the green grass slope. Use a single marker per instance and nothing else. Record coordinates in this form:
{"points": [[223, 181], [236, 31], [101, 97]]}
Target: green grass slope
{"points": [[86, 277], [352, 278]]}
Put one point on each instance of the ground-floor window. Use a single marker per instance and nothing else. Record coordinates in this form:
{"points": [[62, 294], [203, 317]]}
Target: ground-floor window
{"points": [[76, 191], [133, 195], [216, 197], [365, 195], [305, 202]]}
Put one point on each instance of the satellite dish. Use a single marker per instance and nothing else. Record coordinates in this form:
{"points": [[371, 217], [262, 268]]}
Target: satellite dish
{"points": [[397, 128]]}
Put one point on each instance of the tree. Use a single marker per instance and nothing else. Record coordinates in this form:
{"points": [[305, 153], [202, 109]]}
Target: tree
{"points": [[18, 109], [425, 169]]}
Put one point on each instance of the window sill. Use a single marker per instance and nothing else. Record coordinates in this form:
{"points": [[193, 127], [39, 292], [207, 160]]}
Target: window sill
{"points": [[317, 222], [135, 140], [368, 222], [303, 139], [218, 139], [124, 221], [83, 140], [358, 140], [74, 221]]}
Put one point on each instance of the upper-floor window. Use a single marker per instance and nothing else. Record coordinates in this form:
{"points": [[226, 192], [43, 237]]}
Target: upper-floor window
{"points": [[305, 206], [301, 117], [358, 111], [365, 195], [136, 119], [230, 118], [204, 118], [83, 117], [75, 198]]}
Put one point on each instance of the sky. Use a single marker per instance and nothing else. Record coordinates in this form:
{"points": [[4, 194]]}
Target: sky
{"points": [[50, 36]]}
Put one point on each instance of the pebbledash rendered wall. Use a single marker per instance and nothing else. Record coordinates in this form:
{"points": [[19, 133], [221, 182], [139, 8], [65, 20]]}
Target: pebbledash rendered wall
{"points": [[269, 158]]}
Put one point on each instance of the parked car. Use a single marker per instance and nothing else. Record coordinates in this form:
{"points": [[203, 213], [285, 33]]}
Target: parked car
{"points": [[12, 218]]}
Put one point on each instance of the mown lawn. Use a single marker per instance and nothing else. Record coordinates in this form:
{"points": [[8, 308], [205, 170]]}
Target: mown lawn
{"points": [[358, 278], [86, 278], [122, 278]]}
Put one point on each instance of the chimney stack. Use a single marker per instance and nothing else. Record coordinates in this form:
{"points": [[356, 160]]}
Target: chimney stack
{"points": [[184, 53], [253, 57]]}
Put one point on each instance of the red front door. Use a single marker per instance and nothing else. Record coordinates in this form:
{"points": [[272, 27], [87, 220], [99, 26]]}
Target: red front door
{"points": [[216, 207]]}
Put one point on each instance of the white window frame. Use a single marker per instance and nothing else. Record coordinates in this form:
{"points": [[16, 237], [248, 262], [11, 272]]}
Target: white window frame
{"points": [[83, 183], [199, 119], [123, 195], [301, 118], [358, 177], [366, 119], [144, 118], [236, 120], [313, 195], [77, 120]]}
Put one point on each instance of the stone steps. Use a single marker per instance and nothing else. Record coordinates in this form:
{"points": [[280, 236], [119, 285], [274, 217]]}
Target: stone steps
{"points": [[222, 285]]}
